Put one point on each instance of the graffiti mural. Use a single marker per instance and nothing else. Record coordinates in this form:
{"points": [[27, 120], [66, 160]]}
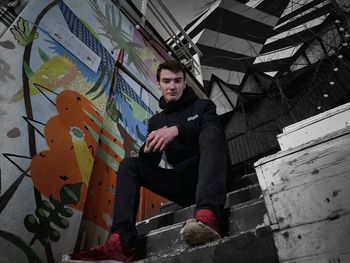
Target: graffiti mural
{"points": [[68, 115]]}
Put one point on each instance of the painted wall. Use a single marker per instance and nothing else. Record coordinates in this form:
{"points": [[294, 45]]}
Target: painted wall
{"points": [[67, 119]]}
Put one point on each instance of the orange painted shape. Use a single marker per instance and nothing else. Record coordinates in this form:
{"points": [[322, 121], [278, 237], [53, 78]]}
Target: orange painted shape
{"points": [[58, 165]]}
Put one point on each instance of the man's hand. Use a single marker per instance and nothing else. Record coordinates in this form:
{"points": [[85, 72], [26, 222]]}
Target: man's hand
{"points": [[159, 139]]}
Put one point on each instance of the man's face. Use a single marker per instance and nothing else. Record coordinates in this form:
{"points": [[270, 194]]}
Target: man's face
{"points": [[171, 85]]}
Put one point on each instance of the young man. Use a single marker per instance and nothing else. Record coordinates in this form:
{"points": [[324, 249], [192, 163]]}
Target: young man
{"points": [[189, 133]]}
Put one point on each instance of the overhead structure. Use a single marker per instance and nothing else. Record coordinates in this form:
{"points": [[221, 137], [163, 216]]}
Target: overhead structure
{"points": [[273, 37]]}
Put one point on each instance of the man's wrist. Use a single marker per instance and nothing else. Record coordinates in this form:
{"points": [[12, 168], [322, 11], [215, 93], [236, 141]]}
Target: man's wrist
{"points": [[176, 130]]}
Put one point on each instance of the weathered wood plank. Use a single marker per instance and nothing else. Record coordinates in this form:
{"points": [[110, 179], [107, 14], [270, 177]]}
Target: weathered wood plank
{"points": [[269, 207], [312, 143], [320, 200], [324, 237], [267, 198], [315, 163], [314, 127]]}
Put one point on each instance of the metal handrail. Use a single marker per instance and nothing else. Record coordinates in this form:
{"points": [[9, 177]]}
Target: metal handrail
{"points": [[182, 49], [180, 28]]}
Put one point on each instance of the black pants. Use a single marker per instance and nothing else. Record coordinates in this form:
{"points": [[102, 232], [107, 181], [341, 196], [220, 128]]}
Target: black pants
{"points": [[200, 180]]}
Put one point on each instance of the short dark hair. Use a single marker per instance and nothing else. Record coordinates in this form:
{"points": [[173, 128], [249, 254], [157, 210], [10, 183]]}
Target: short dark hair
{"points": [[172, 65]]}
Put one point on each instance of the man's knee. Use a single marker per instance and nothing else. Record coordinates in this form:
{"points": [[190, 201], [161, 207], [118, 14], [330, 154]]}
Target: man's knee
{"points": [[128, 164], [212, 134]]}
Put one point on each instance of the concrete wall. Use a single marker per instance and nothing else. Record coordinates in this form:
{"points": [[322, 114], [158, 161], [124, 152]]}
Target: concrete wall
{"points": [[64, 127]]}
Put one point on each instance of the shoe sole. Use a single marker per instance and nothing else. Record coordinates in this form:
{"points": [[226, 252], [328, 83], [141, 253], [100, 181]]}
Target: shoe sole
{"points": [[196, 233]]}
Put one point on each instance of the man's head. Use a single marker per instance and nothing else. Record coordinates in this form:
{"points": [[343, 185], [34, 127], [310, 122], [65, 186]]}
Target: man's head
{"points": [[171, 80]]}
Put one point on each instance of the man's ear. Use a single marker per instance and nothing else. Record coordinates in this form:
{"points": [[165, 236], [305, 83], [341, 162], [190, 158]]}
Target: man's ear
{"points": [[158, 85]]}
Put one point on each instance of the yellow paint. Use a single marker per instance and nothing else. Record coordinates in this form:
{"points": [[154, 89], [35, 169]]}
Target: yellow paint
{"points": [[82, 153], [54, 73]]}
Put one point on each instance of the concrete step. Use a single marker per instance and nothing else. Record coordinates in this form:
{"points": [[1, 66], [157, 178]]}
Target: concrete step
{"points": [[244, 181], [245, 215], [244, 194], [255, 246], [248, 193], [170, 207], [238, 219]]}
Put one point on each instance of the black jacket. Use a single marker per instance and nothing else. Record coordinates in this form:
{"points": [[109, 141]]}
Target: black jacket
{"points": [[190, 114]]}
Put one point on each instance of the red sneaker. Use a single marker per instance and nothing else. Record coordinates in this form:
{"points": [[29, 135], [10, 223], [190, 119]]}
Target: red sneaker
{"points": [[208, 217], [201, 229], [113, 249]]}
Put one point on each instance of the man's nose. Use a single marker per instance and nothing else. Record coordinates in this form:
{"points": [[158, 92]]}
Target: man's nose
{"points": [[172, 85]]}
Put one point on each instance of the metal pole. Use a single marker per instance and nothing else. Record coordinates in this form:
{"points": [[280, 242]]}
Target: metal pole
{"points": [[144, 12], [180, 28]]}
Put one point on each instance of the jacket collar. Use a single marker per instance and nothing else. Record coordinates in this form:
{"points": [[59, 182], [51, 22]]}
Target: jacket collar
{"points": [[187, 97]]}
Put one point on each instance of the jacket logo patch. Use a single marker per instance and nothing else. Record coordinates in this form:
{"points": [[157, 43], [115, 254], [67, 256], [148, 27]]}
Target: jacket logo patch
{"points": [[192, 118]]}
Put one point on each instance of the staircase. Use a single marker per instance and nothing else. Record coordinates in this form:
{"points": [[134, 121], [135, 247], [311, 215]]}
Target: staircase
{"points": [[299, 212], [247, 234], [294, 209]]}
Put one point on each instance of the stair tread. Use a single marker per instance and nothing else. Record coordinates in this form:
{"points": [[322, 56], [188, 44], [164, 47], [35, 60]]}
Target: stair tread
{"points": [[238, 219], [244, 180], [218, 251], [255, 245], [232, 208], [253, 174], [242, 195]]}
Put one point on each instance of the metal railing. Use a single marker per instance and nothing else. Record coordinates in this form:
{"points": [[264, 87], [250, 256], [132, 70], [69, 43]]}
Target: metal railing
{"points": [[164, 17]]}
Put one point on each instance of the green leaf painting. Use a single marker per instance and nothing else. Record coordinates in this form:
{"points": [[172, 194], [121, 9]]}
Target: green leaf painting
{"points": [[52, 214], [22, 33]]}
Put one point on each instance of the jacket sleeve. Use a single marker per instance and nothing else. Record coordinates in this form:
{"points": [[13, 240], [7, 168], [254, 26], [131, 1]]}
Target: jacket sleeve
{"points": [[189, 133], [151, 158]]}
